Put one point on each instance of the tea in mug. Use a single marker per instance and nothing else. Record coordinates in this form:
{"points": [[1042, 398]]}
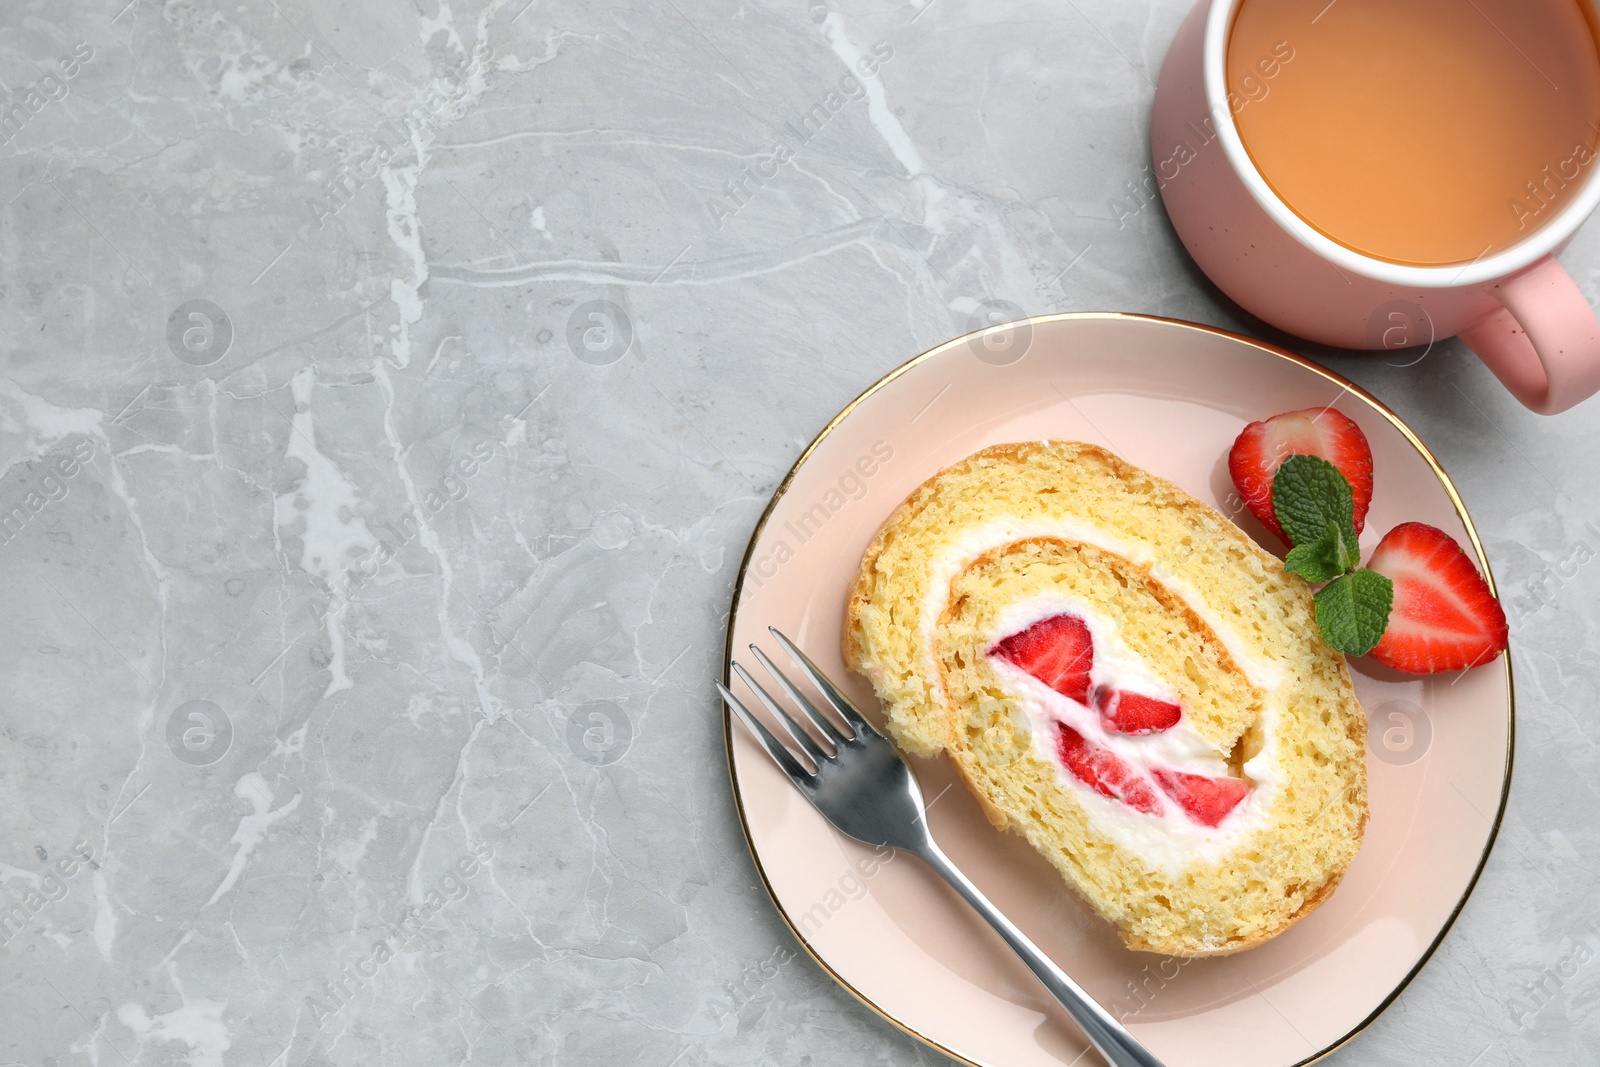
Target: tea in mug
{"points": [[1425, 132]]}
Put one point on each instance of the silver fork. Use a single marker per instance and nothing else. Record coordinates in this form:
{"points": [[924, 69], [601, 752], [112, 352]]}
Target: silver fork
{"points": [[866, 790]]}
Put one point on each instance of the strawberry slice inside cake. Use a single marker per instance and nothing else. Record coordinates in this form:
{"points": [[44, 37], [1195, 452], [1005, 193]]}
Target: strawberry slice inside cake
{"points": [[1101, 769], [1058, 651], [1205, 800], [1134, 713]]}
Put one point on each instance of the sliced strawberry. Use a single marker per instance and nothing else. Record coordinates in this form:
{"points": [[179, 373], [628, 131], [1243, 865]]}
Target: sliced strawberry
{"points": [[1123, 712], [1058, 651], [1444, 617], [1207, 800], [1103, 771], [1263, 446]]}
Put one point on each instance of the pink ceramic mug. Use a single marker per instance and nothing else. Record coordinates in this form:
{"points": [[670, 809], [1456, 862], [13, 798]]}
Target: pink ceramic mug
{"points": [[1518, 309]]}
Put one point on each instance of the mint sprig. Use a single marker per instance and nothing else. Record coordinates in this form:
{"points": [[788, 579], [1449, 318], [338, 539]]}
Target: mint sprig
{"points": [[1324, 559], [1316, 508]]}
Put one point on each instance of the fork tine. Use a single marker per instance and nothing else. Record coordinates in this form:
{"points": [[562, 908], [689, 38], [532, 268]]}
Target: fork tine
{"points": [[780, 755], [830, 732], [794, 729], [830, 692]]}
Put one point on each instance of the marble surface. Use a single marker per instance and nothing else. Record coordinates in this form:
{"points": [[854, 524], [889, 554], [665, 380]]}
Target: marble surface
{"points": [[388, 392]]}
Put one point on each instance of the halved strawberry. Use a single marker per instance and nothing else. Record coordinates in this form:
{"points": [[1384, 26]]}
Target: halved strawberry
{"points": [[1058, 651], [1260, 450], [1123, 712], [1207, 800], [1105, 772], [1444, 617]]}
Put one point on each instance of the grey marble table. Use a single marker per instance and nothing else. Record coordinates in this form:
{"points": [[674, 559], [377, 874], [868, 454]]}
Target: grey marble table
{"points": [[388, 392]]}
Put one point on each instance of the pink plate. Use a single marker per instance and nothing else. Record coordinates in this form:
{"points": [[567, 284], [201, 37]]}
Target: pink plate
{"points": [[1170, 397]]}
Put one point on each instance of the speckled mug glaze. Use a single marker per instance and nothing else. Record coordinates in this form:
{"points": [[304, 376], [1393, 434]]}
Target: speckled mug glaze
{"points": [[1518, 309]]}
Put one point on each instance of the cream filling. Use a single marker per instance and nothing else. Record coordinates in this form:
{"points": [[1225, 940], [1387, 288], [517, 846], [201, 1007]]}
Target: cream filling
{"points": [[1169, 842], [1180, 747]]}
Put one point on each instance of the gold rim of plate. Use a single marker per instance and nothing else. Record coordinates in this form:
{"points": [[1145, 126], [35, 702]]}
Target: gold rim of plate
{"points": [[1351, 389]]}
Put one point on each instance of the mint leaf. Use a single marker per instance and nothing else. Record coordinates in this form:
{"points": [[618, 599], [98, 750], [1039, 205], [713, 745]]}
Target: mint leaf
{"points": [[1314, 505], [1353, 610], [1318, 561], [1308, 492]]}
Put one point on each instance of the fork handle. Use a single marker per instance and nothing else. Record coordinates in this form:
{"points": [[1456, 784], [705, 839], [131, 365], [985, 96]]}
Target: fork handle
{"points": [[1106, 1034]]}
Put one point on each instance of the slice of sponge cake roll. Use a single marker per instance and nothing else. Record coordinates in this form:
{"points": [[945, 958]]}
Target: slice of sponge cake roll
{"points": [[1123, 677]]}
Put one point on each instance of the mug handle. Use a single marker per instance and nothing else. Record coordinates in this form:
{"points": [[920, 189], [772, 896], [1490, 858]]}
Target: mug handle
{"points": [[1544, 341]]}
